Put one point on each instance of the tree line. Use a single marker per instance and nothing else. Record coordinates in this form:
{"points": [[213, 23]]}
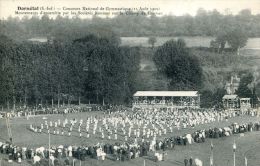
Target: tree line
{"points": [[204, 23], [90, 69]]}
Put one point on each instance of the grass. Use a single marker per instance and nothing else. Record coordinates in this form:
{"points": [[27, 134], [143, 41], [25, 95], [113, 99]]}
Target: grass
{"points": [[196, 41], [248, 145]]}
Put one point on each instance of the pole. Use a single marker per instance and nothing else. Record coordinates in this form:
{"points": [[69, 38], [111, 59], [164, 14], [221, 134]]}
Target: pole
{"points": [[144, 162], [73, 162], [9, 131], [234, 158], [49, 148], [234, 152], [212, 160], [245, 161]]}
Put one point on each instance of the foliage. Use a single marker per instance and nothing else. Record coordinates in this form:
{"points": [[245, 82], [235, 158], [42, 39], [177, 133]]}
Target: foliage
{"points": [[235, 37], [205, 23], [92, 68], [244, 89], [211, 99], [175, 61], [152, 41]]}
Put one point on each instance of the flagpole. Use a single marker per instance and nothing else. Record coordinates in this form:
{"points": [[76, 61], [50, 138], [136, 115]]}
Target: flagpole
{"points": [[49, 147], [73, 162], [245, 161], [211, 148], [234, 158], [234, 152]]}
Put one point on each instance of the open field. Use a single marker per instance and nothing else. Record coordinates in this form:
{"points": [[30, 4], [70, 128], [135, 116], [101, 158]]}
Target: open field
{"points": [[196, 41], [248, 145]]}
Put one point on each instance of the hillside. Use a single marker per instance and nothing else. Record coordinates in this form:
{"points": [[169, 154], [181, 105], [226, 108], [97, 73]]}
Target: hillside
{"points": [[217, 68]]}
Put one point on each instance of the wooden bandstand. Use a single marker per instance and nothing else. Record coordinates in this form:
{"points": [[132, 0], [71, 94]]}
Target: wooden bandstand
{"points": [[166, 99]]}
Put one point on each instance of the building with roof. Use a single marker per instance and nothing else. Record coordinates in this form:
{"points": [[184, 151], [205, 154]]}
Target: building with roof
{"points": [[41, 40], [166, 99], [245, 103], [230, 101]]}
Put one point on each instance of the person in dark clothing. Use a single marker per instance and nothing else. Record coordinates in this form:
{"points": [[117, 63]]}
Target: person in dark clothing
{"points": [[186, 161], [184, 141], [191, 161]]}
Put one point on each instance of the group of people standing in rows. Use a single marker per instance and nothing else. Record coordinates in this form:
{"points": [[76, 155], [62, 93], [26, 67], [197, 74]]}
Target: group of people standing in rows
{"points": [[145, 132], [25, 111]]}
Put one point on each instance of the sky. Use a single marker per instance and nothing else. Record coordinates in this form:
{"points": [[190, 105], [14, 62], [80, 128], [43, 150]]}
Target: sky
{"points": [[167, 7]]}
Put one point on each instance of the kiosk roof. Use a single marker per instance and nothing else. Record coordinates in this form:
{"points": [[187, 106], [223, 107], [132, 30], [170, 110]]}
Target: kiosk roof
{"points": [[166, 93]]}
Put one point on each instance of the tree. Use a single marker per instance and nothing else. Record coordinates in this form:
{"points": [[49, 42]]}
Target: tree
{"points": [[246, 13], [214, 45], [237, 39], [152, 41], [7, 70], [244, 89], [111, 69], [174, 60], [221, 40]]}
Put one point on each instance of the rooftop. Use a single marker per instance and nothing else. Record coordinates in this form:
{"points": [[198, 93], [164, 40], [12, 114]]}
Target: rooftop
{"points": [[167, 93], [230, 96], [39, 39]]}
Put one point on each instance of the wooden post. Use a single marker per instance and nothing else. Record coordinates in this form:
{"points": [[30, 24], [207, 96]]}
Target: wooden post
{"points": [[25, 98], [58, 100], [234, 152], [14, 100], [211, 157], [73, 162], [8, 105], [49, 148]]}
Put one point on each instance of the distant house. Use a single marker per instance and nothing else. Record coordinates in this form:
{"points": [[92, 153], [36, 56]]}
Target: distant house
{"points": [[39, 40], [232, 86]]}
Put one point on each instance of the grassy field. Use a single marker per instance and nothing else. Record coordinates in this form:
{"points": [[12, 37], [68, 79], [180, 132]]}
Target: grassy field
{"points": [[248, 145], [196, 41]]}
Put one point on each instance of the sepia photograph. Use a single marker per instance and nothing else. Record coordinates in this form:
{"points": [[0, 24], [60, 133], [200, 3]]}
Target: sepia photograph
{"points": [[129, 82]]}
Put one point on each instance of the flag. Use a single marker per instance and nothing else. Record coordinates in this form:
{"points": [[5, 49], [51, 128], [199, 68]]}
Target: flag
{"points": [[234, 146], [245, 161]]}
